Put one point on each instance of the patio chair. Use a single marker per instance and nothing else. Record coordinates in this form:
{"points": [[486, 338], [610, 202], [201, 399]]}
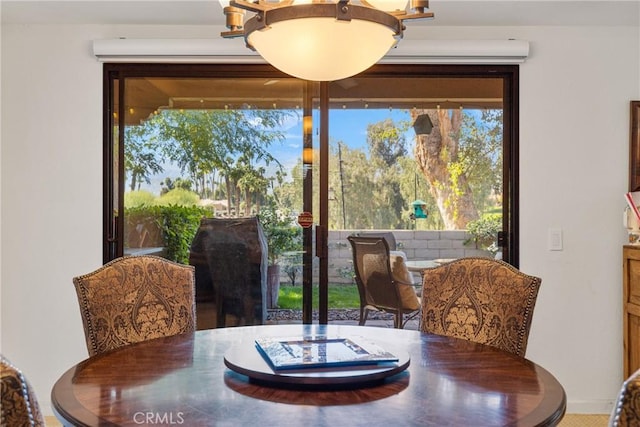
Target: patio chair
{"points": [[379, 288], [18, 405], [626, 412], [387, 235], [133, 299], [482, 300]]}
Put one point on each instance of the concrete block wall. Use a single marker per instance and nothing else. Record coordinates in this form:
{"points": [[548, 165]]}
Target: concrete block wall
{"points": [[422, 245]]}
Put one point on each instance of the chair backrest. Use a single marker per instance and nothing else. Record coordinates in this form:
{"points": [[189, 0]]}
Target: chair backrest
{"points": [[133, 299], [626, 413], [18, 404], [373, 272], [387, 235], [482, 300]]}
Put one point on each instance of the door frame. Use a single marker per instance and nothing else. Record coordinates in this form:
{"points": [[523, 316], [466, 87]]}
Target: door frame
{"points": [[113, 223]]}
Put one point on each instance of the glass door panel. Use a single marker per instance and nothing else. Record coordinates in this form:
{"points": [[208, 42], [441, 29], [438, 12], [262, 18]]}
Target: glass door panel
{"points": [[418, 157], [225, 150]]}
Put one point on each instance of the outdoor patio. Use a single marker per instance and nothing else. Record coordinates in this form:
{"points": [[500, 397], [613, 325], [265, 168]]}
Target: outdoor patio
{"points": [[206, 317], [338, 316]]}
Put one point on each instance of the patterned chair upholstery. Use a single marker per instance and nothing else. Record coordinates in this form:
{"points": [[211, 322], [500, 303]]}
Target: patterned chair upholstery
{"points": [[133, 299], [482, 300], [383, 283], [19, 406], [626, 413]]}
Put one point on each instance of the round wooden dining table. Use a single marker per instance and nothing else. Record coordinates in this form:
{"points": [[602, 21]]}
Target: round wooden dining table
{"points": [[184, 380]]}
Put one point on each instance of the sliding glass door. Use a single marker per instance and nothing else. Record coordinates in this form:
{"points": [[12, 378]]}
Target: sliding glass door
{"points": [[428, 153], [426, 157]]}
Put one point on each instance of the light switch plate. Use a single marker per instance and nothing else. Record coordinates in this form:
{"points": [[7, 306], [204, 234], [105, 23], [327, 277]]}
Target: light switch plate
{"points": [[555, 239]]}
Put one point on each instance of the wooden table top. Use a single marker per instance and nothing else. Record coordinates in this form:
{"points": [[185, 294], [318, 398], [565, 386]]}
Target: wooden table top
{"points": [[183, 380]]}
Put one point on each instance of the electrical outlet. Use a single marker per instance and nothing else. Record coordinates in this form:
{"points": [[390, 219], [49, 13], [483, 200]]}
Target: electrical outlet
{"points": [[555, 239]]}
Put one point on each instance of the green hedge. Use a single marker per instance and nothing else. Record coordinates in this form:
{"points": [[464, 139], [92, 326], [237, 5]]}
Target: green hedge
{"points": [[172, 227]]}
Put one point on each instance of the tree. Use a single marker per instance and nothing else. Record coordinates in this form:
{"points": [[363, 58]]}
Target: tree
{"points": [[288, 194], [462, 161], [358, 180], [377, 186], [168, 184], [387, 141], [414, 186], [367, 185], [203, 142], [387, 145], [438, 158], [140, 157], [481, 147], [252, 182]]}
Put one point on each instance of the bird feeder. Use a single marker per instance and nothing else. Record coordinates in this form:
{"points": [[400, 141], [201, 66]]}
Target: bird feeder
{"points": [[419, 209]]}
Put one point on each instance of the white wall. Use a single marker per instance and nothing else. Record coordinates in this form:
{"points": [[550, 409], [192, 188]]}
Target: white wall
{"points": [[574, 111], [574, 158]]}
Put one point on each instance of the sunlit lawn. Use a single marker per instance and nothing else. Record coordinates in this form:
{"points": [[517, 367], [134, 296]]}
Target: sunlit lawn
{"points": [[340, 296]]}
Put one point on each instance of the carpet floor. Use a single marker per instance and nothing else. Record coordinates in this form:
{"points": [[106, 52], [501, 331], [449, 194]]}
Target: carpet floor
{"points": [[585, 420]]}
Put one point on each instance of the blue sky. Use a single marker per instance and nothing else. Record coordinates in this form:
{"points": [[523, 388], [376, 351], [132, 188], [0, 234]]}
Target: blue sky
{"points": [[348, 126]]}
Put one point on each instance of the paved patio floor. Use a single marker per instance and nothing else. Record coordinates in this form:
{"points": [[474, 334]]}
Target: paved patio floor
{"points": [[341, 317], [206, 317]]}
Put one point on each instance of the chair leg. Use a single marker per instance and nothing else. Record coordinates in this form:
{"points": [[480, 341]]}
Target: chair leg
{"points": [[397, 319], [364, 313], [409, 317]]}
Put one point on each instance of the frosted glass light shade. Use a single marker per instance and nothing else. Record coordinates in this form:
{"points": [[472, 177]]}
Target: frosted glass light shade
{"points": [[323, 49]]}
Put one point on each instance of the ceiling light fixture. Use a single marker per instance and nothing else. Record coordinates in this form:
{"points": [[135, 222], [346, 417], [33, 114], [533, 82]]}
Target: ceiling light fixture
{"points": [[321, 40]]}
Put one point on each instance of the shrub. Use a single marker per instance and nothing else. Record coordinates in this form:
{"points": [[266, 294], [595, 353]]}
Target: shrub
{"points": [[142, 229], [178, 197], [281, 233], [179, 226], [137, 198], [485, 230], [176, 225]]}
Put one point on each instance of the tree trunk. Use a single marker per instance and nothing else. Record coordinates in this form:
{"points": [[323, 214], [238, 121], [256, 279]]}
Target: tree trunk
{"points": [[227, 182], [247, 202], [436, 154], [273, 285], [237, 199]]}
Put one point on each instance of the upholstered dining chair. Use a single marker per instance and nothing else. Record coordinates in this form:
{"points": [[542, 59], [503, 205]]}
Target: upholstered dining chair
{"points": [[18, 403], [383, 283], [626, 412], [133, 299], [482, 300]]}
